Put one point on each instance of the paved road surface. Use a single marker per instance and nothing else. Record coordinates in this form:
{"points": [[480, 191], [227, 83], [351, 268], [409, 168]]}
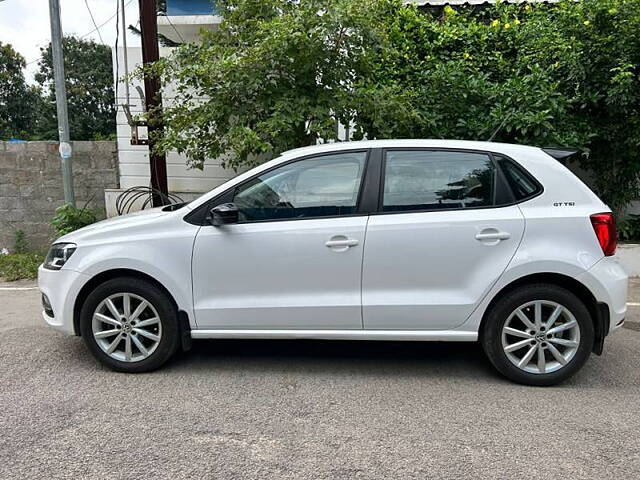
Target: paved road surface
{"points": [[308, 409]]}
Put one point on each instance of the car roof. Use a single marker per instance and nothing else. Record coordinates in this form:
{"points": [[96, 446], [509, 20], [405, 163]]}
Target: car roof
{"points": [[504, 148]]}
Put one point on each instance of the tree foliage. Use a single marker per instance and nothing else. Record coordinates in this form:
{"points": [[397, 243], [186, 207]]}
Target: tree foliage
{"points": [[276, 75], [280, 74], [90, 95], [17, 99]]}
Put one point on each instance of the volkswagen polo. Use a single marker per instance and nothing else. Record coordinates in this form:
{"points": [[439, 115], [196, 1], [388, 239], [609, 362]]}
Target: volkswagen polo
{"points": [[417, 240]]}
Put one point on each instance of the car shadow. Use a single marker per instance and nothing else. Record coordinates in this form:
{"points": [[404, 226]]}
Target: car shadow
{"points": [[447, 359], [451, 362]]}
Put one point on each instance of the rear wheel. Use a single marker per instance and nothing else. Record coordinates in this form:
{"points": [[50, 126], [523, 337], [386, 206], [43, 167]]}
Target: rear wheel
{"points": [[130, 325], [538, 334]]}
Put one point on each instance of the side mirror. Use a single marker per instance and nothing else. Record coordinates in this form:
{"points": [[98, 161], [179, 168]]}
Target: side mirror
{"points": [[223, 214]]}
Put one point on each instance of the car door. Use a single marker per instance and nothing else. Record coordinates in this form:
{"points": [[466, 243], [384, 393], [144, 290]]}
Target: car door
{"points": [[443, 234], [294, 259]]}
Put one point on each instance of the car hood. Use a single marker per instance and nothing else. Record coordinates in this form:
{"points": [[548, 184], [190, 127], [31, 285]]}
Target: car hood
{"points": [[114, 225]]}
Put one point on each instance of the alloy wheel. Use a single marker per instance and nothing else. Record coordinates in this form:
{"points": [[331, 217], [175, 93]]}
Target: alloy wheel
{"points": [[126, 327], [540, 337]]}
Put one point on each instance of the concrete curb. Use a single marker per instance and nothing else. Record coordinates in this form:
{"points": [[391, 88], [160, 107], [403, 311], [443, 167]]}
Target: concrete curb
{"points": [[18, 285], [629, 256]]}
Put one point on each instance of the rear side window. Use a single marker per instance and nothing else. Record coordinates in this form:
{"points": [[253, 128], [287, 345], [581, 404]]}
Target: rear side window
{"points": [[522, 183], [418, 180]]}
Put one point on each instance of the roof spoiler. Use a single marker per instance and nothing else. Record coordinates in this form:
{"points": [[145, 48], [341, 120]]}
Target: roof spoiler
{"points": [[561, 154]]}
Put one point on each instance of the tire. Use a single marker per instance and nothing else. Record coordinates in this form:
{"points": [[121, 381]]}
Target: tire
{"points": [[150, 343], [570, 336]]}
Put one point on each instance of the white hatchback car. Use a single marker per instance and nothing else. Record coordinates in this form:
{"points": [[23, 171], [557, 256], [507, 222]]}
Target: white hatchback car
{"points": [[377, 240]]}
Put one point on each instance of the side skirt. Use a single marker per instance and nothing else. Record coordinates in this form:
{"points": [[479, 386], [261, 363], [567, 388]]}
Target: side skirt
{"points": [[406, 335]]}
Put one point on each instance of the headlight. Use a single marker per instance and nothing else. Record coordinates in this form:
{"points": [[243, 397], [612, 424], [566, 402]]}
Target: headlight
{"points": [[58, 255]]}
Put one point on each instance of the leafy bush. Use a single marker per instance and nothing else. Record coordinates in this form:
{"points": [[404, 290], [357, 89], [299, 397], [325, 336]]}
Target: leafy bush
{"points": [[18, 266], [629, 228], [279, 74], [69, 218], [20, 244]]}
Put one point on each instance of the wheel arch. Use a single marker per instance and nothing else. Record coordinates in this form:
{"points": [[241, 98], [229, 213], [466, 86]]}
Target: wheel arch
{"points": [[106, 275], [599, 312]]}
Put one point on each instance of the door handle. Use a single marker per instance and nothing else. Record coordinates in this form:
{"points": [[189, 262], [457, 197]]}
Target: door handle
{"points": [[493, 235], [341, 242]]}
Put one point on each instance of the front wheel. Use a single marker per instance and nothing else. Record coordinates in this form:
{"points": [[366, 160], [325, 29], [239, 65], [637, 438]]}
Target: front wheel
{"points": [[130, 325], [538, 335]]}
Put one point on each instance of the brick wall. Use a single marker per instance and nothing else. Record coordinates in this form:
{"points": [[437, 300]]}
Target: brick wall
{"points": [[31, 185]]}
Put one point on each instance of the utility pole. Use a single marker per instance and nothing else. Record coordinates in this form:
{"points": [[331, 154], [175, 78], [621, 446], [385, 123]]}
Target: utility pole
{"points": [[125, 56], [61, 101], [153, 99]]}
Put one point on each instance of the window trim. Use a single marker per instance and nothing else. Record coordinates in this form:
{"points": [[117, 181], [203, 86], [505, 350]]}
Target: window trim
{"points": [[198, 216], [499, 179]]}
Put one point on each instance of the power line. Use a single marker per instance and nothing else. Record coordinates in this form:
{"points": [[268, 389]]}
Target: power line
{"points": [[106, 21], [88, 33], [174, 28], [86, 2]]}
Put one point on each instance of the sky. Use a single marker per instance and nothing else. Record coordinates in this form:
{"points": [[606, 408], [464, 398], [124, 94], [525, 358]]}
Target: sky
{"points": [[25, 24]]}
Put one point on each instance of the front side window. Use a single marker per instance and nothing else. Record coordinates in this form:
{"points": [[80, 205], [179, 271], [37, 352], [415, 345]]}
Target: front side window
{"points": [[322, 186], [418, 180]]}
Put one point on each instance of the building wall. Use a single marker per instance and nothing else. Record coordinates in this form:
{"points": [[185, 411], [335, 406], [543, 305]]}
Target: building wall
{"points": [[31, 185]]}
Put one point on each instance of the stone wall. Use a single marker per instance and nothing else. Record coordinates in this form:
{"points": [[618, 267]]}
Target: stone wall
{"points": [[31, 185]]}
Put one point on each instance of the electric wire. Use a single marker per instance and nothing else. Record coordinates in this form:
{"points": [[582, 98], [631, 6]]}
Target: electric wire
{"points": [[174, 28], [86, 34], [131, 197], [86, 2]]}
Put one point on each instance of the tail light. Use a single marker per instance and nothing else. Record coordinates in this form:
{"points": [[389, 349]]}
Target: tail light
{"points": [[605, 227]]}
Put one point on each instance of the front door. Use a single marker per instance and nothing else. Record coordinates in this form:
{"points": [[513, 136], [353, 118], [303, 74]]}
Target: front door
{"points": [[439, 242], [294, 259]]}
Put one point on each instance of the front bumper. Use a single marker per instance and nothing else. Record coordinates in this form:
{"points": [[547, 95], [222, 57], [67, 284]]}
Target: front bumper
{"points": [[61, 288], [608, 282]]}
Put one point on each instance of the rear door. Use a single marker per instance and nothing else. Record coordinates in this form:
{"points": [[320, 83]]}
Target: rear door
{"points": [[445, 231]]}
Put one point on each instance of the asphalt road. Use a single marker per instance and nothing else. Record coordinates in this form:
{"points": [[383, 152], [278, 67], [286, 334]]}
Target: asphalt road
{"points": [[308, 409]]}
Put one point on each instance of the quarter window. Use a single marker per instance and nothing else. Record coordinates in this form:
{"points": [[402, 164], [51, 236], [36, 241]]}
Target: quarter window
{"points": [[417, 180], [315, 187], [522, 184]]}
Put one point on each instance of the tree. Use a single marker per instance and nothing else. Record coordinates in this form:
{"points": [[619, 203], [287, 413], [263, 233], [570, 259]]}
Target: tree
{"points": [[276, 75], [18, 101], [90, 95]]}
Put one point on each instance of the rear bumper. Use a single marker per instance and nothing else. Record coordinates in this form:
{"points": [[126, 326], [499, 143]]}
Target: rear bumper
{"points": [[61, 288], [608, 282]]}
